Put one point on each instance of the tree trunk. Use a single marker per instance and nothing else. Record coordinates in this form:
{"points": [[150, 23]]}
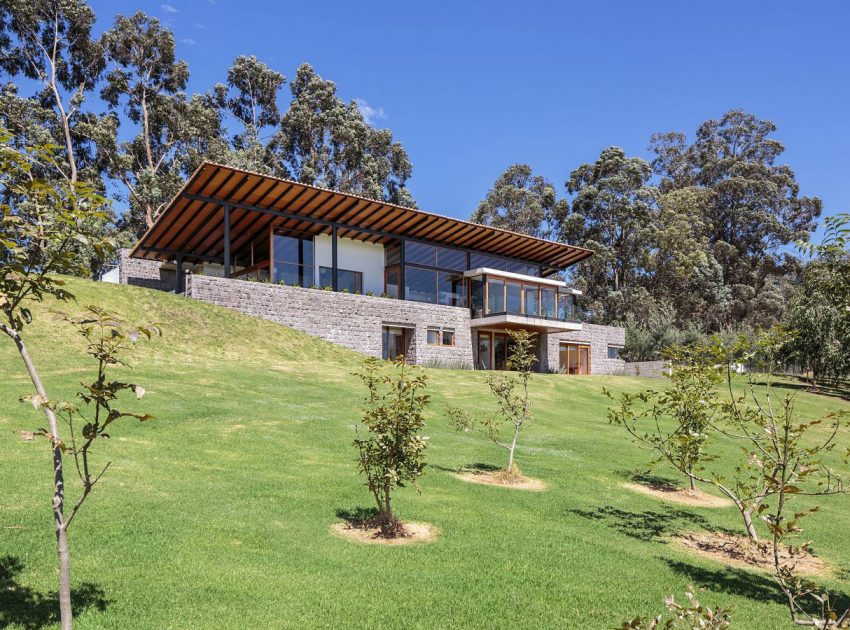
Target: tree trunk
{"points": [[512, 449], [58, 501], [747, 514], [693, 482]]}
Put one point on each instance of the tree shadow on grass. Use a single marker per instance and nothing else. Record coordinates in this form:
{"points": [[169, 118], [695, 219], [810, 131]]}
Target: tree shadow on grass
{"points": [[649, 525], [477, 467], [22, 606], [357, 517], [832, 390], [651, 480]]}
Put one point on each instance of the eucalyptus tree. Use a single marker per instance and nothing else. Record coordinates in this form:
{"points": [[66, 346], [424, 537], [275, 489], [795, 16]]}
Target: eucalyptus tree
{"points": [[613, 212], [145, 83], [751, 205], [326, 142], [522, 202], [248, 103]]}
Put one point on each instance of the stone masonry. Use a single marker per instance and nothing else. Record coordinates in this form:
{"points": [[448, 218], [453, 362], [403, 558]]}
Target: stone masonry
{"points": [[350, 320], [144, 273]]}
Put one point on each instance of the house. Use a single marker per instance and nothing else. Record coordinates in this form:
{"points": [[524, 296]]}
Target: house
{"points": [[378, 278]]}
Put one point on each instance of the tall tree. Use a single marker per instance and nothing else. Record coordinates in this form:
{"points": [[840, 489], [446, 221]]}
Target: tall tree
{"points": [[249, 99], [613, 213], [751, 206], [51, 43], [326, 142], [145, 82], [522, 202]]}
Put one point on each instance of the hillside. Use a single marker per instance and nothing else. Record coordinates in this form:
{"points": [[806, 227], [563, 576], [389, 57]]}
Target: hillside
{"points": [[217, 513]]}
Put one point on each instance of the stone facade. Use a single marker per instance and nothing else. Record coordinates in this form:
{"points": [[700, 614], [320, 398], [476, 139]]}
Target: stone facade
{"points": [[647, 369], [353, 321], [598, 337], [144, 273]]}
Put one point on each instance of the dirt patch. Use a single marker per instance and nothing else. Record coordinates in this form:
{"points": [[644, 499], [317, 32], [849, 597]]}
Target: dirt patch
{"points": [[502, 478], [682, 496], [413, 533], [742, 552]]}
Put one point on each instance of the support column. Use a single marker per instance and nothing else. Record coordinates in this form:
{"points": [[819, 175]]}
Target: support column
{"points": [[401, 282], [334, 260], [179, 285], [226, 241]]}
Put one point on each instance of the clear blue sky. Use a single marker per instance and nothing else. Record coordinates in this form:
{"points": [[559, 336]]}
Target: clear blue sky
{"points": [[472, 87]]}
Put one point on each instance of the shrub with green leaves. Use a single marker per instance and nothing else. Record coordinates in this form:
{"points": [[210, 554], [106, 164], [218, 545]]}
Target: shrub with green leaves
{"points": [[392, 449]]}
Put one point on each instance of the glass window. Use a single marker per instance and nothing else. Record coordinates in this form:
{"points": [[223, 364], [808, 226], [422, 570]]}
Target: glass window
{"points": [[346, 279], [448, 337], [392, 254], [476, 296], [532, 301], [500, 352], [393, 342], [451, 259], [484, 362], [452, 289], [433, 336], [513, 298], [293, 260], [614, 352], [485, 260], [420, 285], [420, 253], [566, 302], [527, 269], [495, 296], [391, 285], [547, 303]]}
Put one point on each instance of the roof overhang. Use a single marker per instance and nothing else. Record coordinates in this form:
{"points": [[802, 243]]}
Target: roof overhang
{"points": [[192, 225]]}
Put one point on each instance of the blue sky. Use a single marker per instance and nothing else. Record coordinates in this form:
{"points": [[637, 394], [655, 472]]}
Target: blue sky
{"points": [[470, 88]]}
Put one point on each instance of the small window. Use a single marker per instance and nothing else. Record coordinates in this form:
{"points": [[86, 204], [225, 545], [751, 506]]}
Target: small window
{"points": [[614, 352], [441, 336]]}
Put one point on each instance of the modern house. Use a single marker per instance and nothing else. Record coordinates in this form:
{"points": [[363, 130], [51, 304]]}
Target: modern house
{"points": [[378, 278]]}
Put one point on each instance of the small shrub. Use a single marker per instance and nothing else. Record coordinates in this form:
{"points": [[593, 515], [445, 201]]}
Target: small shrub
{"points": [[314, 286], [391, 453], [281, 283], [690, 616], [327, 287], [370, 293], [345, 290]]}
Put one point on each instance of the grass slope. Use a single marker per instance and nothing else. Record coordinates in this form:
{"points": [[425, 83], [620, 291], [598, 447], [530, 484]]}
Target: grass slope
{"points": [[217, 513]]}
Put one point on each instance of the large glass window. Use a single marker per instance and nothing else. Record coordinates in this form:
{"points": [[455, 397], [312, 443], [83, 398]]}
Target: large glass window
{"points": [[419, 253], [485, 260], [392, 254], [420, 285], [513, 298], [391, 281], [346, 279], [532, 301], [476, 296], [452, 289], [293, 260], [566, 306], [526, 269], [495, 296], [484, 361], [547, 303], [451, 259]]}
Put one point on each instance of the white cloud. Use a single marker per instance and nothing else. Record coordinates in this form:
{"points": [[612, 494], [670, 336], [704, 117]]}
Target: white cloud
{"points": [[199, 26], [167, 8], [188, 40], [370, 114]]}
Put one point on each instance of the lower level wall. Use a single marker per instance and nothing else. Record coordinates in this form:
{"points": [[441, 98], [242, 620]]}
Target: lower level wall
{"points": [[648, 369], [144, 273], [353, 321]]}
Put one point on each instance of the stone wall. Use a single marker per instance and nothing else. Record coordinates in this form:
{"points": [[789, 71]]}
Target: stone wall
{"points": [[599, 338], [144, 273], [353, 321], [648, 369]]}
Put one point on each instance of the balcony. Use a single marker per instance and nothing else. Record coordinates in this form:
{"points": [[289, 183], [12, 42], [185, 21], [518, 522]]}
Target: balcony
{"points": [[505, 300]]}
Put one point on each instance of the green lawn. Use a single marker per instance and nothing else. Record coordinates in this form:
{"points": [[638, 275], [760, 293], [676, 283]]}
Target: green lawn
{"points": [[217, 513]]}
